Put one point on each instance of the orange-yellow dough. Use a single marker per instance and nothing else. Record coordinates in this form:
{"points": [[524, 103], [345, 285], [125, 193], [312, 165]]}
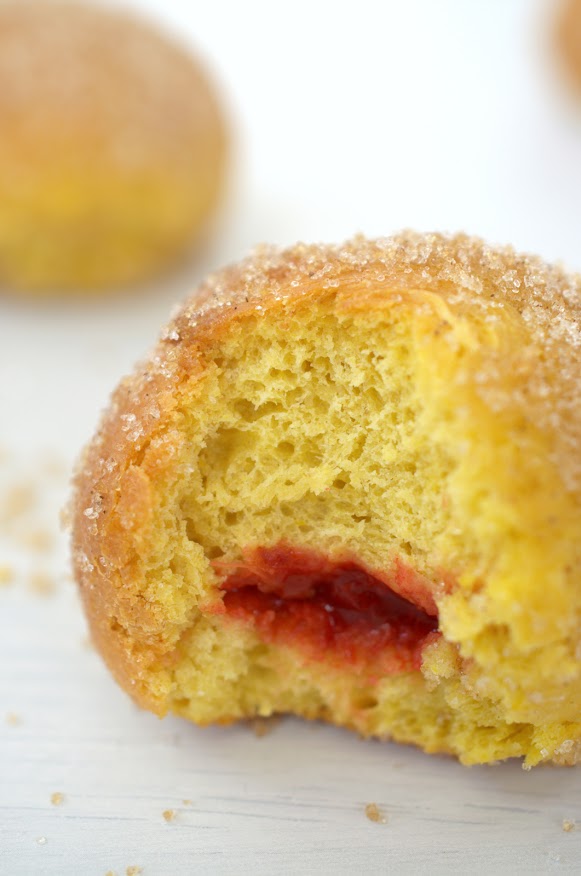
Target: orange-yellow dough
{"points": [[347, 485], [112, 148], [568, 41]]}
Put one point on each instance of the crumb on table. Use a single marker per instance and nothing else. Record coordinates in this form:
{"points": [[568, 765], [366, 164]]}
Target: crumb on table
{"points": [[187, 802], [6, 575], [374, 813], [13, 719], [41, 583], [263, 726], [57, 798], [39, 540], [133, 871], [568, 825], [18, 501], [169, 814]]}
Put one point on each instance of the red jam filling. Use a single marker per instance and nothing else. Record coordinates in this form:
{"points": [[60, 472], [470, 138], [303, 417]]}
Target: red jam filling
{"points": [[333, 610]]}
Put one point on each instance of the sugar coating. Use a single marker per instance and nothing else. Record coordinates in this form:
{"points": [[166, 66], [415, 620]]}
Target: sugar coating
{"points": [[101, 54], [465, 271], [410, 397], [567, 45], [113, 147]]}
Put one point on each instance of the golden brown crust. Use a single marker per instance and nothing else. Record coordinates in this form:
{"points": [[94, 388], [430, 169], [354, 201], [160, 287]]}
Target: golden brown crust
{"points": [[112, 498], [120, 86], [104, 121], [568, 41]]}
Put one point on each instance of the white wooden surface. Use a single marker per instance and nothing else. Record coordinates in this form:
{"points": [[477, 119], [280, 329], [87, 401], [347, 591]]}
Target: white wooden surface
{"points": [[361, 116]]}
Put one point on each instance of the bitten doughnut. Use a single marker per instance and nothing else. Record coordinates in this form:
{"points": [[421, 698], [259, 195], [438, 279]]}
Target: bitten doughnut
{"points": [[112, 148], [347, 485]]}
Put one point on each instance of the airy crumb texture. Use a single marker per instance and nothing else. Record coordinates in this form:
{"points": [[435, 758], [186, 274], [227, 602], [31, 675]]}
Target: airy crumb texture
{"points": [[57, 798], [374, 813], [567, 825], [169, 814], [411, 402]]}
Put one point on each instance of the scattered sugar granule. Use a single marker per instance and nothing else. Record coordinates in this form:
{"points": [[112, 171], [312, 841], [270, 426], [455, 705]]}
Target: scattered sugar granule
{"points": [[566, 747], [374, 813], [6, 576], [567, 825], [41, 840], [57, 798], [169, 814], [133, 871], [41, 583]]}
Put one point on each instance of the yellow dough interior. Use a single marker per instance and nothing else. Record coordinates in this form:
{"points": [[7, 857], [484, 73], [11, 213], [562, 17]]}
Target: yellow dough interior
{"points": [[341, 431], [69, 229]]}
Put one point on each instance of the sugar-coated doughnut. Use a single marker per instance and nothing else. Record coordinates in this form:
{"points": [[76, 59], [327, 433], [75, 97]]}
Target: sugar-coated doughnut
{"points": [[112, 148], [347, 485], [568, 41]]}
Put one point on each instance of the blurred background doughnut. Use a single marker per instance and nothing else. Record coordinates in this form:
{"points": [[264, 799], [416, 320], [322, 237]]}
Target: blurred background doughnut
{"points": [[568, 35], [113, 148]]}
